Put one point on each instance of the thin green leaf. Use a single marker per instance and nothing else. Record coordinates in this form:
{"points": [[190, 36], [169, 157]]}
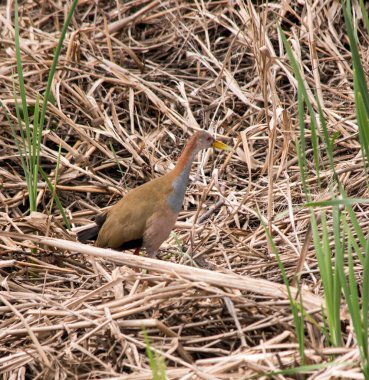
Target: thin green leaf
{"points": [[355, 55], [365, 15], [301, 88], [19, 68], [57, 200], [337, 202], [56, 59]]}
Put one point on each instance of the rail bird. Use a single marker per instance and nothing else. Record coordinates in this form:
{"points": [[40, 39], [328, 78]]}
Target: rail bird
{"points": [[147, 214]]}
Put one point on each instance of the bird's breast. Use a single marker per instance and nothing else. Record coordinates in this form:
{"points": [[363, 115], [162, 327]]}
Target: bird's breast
{"points": [[179, 185], [175, 199]]}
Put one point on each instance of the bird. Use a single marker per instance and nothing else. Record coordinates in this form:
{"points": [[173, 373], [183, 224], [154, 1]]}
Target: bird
{"points": [[145, 216]]}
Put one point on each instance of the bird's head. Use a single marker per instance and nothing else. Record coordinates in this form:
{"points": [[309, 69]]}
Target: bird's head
{"points": [[204, 140], [198, 141]]}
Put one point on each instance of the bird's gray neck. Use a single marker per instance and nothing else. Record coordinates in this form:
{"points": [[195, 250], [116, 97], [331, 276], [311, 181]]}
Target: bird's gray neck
{"points": [[175, 199]]}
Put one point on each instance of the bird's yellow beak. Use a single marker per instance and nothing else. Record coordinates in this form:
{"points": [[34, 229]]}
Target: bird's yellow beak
{"points": [[219, 145]]}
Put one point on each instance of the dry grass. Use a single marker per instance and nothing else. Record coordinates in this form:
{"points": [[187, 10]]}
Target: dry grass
{"points": [[135, 79]]}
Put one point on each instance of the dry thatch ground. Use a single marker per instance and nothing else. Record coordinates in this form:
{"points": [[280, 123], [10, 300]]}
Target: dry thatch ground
{"points": [[134, 80]]}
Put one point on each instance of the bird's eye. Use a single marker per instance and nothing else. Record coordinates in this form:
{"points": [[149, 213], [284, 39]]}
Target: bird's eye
{"points": [[209, 138]]}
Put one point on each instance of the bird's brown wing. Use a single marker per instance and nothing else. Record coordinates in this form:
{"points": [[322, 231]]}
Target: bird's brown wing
{"points": [[121, 226], [92, 233]]}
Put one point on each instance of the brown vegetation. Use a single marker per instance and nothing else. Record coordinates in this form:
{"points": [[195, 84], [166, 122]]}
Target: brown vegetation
{"points": [[134, 80]]}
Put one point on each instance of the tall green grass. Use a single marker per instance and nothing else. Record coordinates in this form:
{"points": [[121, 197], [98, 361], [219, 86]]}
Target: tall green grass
{"points": [[297, 309], [31, 119], [156, 362], [350, 242]]}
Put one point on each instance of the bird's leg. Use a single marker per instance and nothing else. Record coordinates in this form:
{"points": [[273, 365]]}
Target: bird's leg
{"points": [[137, 251], [151, 254]]}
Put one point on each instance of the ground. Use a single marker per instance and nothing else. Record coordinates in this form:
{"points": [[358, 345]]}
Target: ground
{"points": [[134, 80]]}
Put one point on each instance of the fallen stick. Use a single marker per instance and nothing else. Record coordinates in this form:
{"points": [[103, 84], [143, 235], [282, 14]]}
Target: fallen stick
{"points": [[228, 280]]}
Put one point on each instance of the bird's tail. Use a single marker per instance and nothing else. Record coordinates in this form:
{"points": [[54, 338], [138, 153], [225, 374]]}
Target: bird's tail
{"points": [[92, 232], [88, 234]]}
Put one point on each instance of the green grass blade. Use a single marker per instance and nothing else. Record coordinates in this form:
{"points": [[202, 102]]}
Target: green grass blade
{"points": [[156, 363], [36, 142], [327, 140], [31, 139], [358, 68], [325, 264], [116, 159], [337, 202], [57, 200], [353, 218], [350, 289], [352, 240], [301, 151], [354, 296], [22, 88], [365, 302], [301, 88], [336, 283], [306, 369], [296, 309], [55, 60], [23, 160], [362, 120], [365, 15]]}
